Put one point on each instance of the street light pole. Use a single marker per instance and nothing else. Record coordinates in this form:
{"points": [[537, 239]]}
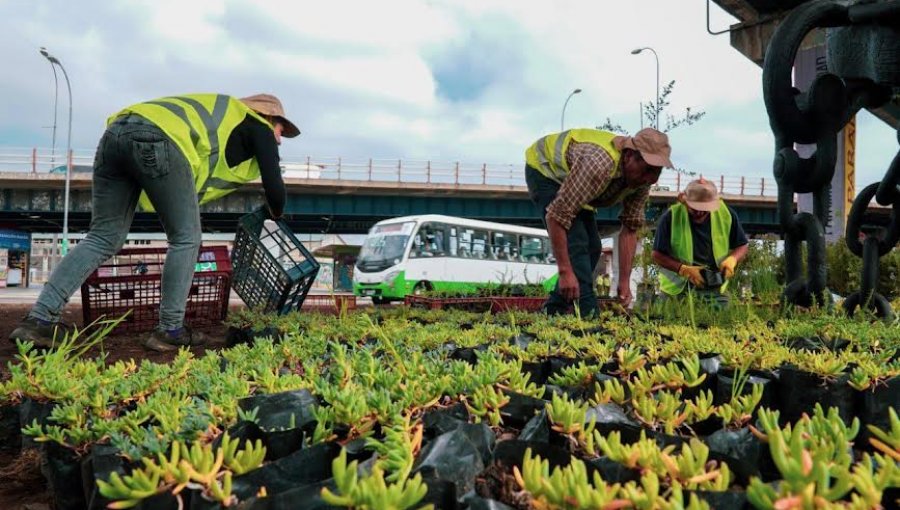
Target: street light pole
{"points": [[658, 110], [55, 100], [562, 119], [65, 241]]}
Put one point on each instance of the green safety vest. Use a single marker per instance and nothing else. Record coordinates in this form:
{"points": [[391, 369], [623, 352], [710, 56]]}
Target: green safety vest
{"points": [[200, 125], [671, 282], [548, 155]]}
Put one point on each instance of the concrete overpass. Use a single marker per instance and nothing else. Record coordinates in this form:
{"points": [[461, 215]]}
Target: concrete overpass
{"points": [[758, 20], [33, 201]]}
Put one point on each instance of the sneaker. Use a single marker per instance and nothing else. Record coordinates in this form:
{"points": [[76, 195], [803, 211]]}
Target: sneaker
{"points": [[164, 341], [40, 333]]}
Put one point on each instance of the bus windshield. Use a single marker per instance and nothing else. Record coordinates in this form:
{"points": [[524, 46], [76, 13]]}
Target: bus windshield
{"points": [[385, 244]]}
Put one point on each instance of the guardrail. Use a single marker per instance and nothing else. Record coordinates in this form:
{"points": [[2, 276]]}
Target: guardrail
{"points": [[41, 160]]}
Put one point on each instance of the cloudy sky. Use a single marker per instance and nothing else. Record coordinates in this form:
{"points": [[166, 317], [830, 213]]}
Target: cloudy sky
{"points": [[468, 80]]}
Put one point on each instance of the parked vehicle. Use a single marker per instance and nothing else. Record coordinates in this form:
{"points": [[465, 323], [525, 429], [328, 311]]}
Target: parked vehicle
{"points": [[413, 254], [61, 169]]}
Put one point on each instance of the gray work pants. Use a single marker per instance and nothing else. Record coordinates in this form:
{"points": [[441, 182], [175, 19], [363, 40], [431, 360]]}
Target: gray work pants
{"points": [[134, 155]]}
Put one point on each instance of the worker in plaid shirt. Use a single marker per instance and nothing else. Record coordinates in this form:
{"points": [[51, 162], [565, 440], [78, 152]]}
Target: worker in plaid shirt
{"points": [[569, 175]]}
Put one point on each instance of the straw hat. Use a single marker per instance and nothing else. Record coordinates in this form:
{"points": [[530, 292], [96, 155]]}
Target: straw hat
{"points": [[701, 195], [267, 104], [652, 144]]}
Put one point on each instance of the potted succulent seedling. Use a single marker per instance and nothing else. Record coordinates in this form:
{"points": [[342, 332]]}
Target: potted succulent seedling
{"points": [[815, 378], [568, 487], [569, 419], [877, 388], [373, 490]]}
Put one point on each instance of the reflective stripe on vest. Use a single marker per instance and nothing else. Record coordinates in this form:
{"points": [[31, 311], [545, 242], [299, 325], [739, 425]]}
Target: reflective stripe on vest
{"points": [[682, 243], [548, 154], [199, 125]]}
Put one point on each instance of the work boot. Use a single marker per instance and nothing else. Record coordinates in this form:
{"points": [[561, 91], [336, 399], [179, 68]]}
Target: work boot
{"points": [[41, 333], [165, 341]]}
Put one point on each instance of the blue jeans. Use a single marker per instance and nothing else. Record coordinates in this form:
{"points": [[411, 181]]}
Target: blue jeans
{"points": [[582, 239], [134, 155]]}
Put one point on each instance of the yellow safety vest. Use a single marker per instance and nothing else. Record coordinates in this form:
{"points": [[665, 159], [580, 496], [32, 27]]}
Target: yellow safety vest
{"points": [[682, 242], [548, 156], [200, 125]]}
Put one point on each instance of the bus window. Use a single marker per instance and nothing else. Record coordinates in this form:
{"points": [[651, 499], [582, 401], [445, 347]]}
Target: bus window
{"points": [[514, 254], [385, 245], [454, 241], [475, 242], [533, 249], [504, 246], [548, 253], [418, 246], [429, 241]]}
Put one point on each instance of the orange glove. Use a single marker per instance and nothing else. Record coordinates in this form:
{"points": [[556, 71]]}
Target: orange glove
{"points": [[727, 266], [692, 273]]}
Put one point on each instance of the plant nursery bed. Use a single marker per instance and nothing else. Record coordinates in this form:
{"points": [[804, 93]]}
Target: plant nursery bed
{"points": [[409, 407]]}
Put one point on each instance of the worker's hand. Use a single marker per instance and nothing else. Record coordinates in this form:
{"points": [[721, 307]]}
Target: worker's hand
{"points": [[269, 214], [624, 292], [693, 274], [727, 266], [568, 285]]}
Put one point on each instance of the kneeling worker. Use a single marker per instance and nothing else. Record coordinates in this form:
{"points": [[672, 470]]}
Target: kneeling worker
{"points": [[697, 234], [571, 173]]}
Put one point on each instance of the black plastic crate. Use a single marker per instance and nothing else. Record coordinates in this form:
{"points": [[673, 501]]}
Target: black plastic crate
{"points": [[272, 270]]}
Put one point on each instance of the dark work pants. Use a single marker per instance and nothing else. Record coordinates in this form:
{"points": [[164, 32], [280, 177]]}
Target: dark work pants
{"points": [[582, 239]]}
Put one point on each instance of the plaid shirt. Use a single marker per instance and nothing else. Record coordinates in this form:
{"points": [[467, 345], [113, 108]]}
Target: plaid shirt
{"points": [[590, 182]]}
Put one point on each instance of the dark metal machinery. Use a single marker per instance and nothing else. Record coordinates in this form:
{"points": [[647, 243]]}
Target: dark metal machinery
{"points": [[863, 44]]}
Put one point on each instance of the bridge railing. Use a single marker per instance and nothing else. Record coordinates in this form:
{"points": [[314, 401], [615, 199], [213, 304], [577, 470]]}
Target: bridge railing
{"points": [[42, 160]]}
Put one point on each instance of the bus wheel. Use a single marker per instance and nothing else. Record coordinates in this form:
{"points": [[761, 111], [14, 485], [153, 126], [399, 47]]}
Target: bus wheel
{"points": [[421, 288]]}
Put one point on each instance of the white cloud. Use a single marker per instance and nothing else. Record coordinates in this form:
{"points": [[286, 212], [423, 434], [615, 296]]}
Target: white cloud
{"points": [[468, 80]]}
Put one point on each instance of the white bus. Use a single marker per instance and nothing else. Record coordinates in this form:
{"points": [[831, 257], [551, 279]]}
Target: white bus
{"points": [[407, 255]]}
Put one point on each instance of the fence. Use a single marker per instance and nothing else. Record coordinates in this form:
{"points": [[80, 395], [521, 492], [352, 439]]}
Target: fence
{"points": [[42, 160]]}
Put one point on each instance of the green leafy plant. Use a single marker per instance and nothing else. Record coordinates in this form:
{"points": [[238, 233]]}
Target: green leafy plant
{"points": [[565, 488], [372, 492], [128, 491], [629, 360], [610, 391], [739, 410], [242, 461], [566, 416], [663, 411], [398, 449], [812, 457], [485, 404], [580, 374], [700, 408], [693, 469], [887, 441], [520, 382]]}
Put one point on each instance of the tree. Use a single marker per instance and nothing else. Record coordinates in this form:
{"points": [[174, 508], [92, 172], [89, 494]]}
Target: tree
{"points": [[652, 111]]}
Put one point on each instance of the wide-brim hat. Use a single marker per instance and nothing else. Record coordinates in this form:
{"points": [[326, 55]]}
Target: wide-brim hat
{"points": [[652, 144], [701, 195], [267, 104]]}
